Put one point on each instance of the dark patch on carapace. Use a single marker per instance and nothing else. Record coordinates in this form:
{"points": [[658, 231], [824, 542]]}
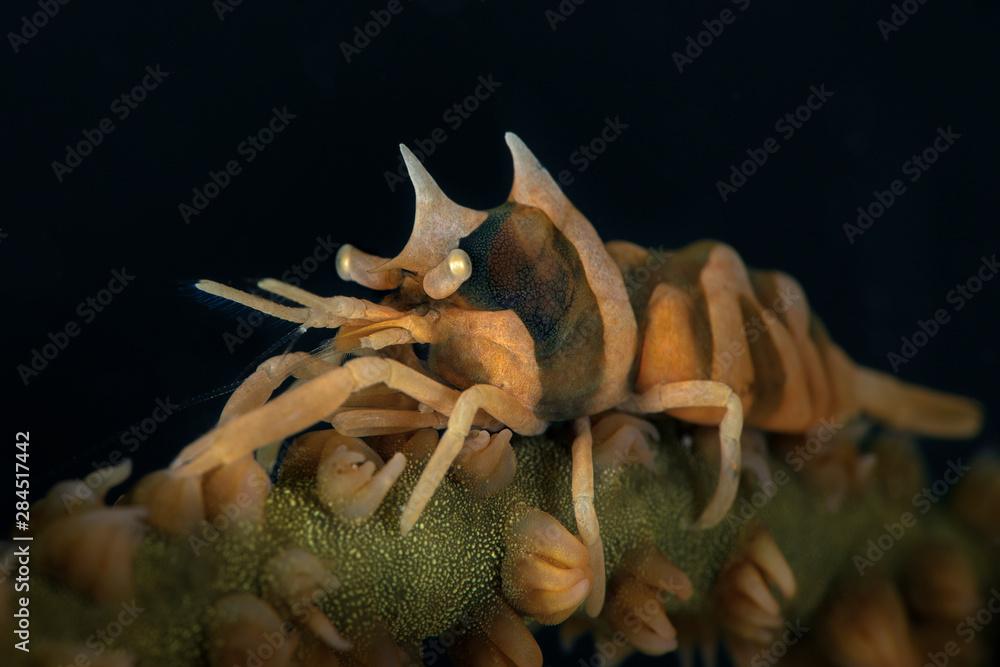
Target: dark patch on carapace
{"points": [[522, 262], [768, 370]]}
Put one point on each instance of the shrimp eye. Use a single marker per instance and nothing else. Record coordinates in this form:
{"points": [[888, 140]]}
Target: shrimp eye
{"points": [[444, 279]]}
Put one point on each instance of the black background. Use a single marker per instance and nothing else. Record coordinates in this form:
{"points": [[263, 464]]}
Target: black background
{"points": [[325, 174]]}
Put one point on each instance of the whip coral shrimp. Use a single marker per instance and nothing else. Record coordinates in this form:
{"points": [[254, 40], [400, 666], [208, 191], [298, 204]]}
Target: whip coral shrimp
{"points": [[531, 319]]}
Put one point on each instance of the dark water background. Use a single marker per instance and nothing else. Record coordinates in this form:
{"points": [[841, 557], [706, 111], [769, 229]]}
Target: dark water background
{"points": [[558, 81]]}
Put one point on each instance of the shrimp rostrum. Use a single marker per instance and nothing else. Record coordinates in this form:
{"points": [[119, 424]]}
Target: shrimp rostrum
{"points": [[529, 319]]}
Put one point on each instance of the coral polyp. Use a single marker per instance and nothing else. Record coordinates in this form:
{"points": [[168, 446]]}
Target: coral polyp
{"points": [[301, 584]]}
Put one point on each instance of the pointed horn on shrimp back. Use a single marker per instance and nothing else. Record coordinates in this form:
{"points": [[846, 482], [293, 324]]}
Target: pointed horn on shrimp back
{"points": [[438, 223]]}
